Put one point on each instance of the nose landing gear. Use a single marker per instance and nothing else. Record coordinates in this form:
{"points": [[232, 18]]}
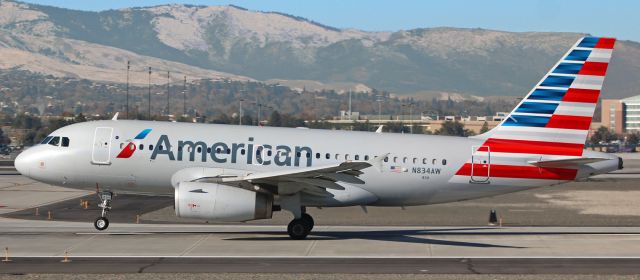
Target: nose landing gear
{"points": [[102, 223]]}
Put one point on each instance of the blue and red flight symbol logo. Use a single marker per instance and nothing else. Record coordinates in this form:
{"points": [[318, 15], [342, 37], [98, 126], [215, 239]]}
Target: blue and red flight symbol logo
{"points": [[128, 150]]}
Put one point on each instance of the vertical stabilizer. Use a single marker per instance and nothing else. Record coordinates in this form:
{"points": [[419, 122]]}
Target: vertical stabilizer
{"points": [[555, 116]]}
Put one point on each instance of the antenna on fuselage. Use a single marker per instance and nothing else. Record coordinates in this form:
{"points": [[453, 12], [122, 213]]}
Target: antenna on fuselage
{"points": [[115, 117]]}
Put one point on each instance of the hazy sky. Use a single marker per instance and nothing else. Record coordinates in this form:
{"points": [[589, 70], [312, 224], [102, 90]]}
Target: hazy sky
{"points": [[615, 18]]}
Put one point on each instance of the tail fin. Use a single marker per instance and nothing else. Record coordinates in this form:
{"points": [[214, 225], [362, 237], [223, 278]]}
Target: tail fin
{"points": [[554, 118]]}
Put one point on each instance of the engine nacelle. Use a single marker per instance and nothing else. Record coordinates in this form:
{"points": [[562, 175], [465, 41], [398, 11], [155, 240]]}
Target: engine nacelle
{"points": [[216, 202]]}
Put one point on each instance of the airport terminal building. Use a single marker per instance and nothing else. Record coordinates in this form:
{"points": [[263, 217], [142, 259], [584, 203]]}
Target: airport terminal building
{"points": [[621, 115]]}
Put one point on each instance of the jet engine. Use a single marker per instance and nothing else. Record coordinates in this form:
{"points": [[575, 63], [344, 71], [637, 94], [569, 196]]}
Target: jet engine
{"points": [[215, 202]]}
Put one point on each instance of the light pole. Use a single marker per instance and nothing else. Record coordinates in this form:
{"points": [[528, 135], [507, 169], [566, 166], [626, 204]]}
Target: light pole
{"points": [[168, 98], [349, 104], [128, 66], [379, 108], [149, 93], [184, 97], [240, 115], [411, 118]]}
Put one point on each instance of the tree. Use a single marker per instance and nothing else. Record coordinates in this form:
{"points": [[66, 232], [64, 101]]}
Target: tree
{"points": [[604, 135], [80, 118], [485, 127], [454, 129], [633, 139], [4, 140], [275, 119]]}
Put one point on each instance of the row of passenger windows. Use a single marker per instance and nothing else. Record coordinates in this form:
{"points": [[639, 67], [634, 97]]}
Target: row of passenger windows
{"points": [[269, 153], [56, 141]]}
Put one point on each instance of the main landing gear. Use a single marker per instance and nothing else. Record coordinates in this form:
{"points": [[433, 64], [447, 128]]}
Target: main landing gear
{"points": [[102, 223], [299, 228]]}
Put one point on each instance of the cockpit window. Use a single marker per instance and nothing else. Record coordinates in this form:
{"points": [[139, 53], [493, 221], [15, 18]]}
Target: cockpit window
{"points": [[46, 140], [55, 141], [65, 141]]}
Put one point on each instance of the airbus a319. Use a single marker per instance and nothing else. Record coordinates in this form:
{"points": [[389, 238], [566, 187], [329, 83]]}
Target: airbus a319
{"points": [[242, 173]]}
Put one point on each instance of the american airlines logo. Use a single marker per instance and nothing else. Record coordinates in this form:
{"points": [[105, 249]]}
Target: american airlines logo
{"points": [[220, 152], [127, 150]]}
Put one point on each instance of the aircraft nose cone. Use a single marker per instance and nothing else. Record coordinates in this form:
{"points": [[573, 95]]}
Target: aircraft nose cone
{"points": [[21, 163]]}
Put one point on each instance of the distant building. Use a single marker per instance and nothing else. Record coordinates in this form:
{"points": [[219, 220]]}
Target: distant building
{"points": [[346, 115], [500, 116], [621, 115]]}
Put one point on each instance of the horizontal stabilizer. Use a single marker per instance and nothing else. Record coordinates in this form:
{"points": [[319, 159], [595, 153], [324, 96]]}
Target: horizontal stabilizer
{"points": [[572, 162]]}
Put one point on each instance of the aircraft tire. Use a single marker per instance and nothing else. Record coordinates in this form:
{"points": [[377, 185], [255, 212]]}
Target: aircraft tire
{"points": [[309, 220], [298, 229], [101, 223]]}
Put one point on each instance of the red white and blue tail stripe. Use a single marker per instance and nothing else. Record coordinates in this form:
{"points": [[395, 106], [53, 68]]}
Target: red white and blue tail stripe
{"points": [[553, 120]]}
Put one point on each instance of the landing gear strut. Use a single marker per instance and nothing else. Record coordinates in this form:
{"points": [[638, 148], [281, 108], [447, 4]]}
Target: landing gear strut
{"points": [[102, 223], [299, 228]]}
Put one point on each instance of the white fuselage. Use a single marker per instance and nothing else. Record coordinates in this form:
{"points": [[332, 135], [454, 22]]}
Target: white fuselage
{"points": [[419, 169]]}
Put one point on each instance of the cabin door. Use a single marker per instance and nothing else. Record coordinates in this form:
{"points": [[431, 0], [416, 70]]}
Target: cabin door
{"points": [[101, 153]]}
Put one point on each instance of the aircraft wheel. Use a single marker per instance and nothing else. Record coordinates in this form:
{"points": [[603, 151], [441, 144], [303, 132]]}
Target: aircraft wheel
{"points": [[308, 219], [101, 223], [298, 229]]}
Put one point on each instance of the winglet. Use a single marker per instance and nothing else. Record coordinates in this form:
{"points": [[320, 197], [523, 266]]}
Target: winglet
{"points": [[377, 161], [115, 117], [379, 130]]}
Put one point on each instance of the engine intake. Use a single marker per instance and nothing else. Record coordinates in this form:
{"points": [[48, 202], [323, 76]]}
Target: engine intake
{"points": [[215, 202]]}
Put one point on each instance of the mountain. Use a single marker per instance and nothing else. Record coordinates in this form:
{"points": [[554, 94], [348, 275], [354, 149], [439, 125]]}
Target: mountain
{"points": [[229, 42]]}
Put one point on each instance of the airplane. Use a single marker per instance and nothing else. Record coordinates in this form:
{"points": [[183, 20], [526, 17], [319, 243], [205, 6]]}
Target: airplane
{"points": [[240, 173]]}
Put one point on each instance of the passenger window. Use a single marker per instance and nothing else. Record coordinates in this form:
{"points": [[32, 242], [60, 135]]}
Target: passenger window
{"points": [[228, 151], [386, 159], [200, 150], [151, 147], [366, 157], [242, 152], [55, 141], [160, 147], [444, 162], [357, 157], [65, 141], [424, 160], [327, 156], [141, 147], [218, 150], [404, 160], [269, 152], [180, 148], [46, 140], [433, 161], [121, 145], [337, 156], [317, 155], [308, 155], [346, 157], [209, 150], [415, 160], [395, 159]]}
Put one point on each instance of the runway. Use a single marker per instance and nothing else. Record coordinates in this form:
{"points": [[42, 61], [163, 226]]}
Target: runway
{"points": [[590, 227], [40, 246], [323, 266]]}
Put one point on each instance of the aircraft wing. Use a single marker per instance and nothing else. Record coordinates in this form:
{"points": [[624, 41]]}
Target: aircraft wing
{"points": [[312, 180]]}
